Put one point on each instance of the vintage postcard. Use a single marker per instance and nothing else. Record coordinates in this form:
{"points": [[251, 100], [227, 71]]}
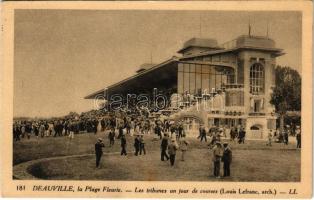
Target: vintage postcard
{"points": [[156, 99]]}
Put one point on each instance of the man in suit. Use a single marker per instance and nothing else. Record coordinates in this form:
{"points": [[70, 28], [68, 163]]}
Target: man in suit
{"points": [[180, 130], [111, 136], [158, 131], [163, 147], [203, 133], [98, 151], [241, 135], [172, 149], [142, 145], [123, 145], [217, 153], [226, 159], [137, 144]]}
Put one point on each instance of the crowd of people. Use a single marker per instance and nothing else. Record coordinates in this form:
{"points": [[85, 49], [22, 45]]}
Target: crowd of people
{"points": [[53, 128], [170, 133]]}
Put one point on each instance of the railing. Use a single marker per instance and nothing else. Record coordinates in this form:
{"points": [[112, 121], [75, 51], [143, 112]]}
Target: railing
{"points": [[256, 114], [233, 86]]}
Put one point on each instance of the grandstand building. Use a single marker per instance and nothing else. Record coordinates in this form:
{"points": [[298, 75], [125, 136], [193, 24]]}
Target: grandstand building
{"points": [[237, 77]]}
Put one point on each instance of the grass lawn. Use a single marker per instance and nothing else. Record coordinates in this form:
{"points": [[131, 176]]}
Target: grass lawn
{"points": [[253, 161]]}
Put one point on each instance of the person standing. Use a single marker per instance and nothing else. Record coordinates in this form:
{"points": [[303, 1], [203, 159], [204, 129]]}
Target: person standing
{"points": [[241, 136], [172, 149], [217, 153], [180, 130], [203, 133], [137, 145], [120, 132], [95, 126], [71, 130], [111, 137], [298, 136], [286, 137], [158, 131], [42, 130], [163, 147], [23, 130], [28, 130], [183, 147], [142, 145], [269, 137], [16, 132], [102, 124], [232, 133], [98, 151], [226, 159], [172, 129], [123, 145]]}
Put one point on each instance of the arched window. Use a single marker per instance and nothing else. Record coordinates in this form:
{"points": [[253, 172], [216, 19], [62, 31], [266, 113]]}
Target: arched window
{"points": [[255, 128], [257, 78]]}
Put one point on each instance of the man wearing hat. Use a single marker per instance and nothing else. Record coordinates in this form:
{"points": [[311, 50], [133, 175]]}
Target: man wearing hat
{"points": [[202, 133], [217, 153], [111, 136], [172, 149], [226, 159], [98, 150], [286, 135], [137, 144], [123, 145], [163, 147], [142, 145]]}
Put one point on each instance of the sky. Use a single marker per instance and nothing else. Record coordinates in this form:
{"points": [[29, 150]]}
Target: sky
{"points": [[61, 56]]}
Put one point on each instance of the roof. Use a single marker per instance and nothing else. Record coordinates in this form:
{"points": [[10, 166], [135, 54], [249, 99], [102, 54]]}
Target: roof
{"points": [[244, 42], [102, 91], [200, 42], [145, 66]]}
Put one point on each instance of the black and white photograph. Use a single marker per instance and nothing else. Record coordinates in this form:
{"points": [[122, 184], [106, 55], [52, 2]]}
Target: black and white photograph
{"points": [[172, 95]]}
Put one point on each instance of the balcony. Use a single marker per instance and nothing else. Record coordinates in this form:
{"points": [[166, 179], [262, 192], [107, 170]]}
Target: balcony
{"points": [[233, 86], [257, 114]]}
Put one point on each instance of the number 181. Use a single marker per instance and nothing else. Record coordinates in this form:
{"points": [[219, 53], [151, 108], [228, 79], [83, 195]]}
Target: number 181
{"points": [[20, 187]]}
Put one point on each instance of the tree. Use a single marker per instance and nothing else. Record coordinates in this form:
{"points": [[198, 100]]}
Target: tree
{"points": [[286, 95]]}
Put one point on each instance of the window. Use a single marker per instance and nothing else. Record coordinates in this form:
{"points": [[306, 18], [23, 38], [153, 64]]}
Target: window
{"points": [[257, 78], [195, 77], [255, 128], [180, 83]]}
